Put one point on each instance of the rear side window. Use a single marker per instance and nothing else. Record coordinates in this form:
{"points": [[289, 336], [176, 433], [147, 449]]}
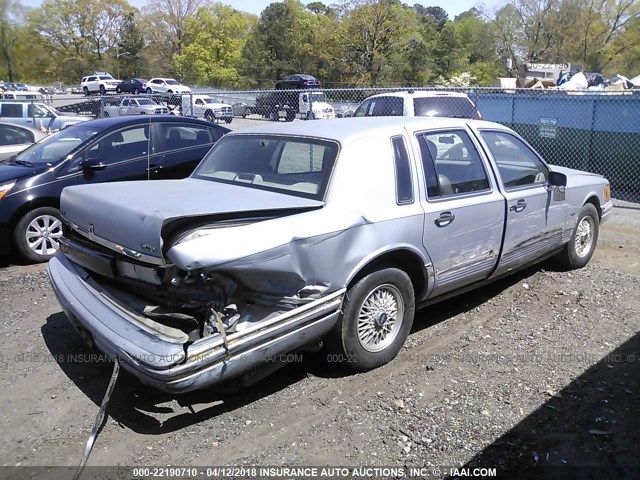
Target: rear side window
{"points": [[11, 110], [381, 107], [175, 136], [458, 107], [404, 189], [451, 164], [10, 135]]}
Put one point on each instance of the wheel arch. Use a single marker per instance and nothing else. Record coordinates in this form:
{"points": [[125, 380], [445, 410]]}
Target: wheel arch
{"points": [[26, 207], [404, 258], [595, 201]]}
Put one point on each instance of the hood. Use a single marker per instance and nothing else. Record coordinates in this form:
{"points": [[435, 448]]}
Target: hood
{"points": [[133, 214], [571, 172], [321, 106], [9, 171]]}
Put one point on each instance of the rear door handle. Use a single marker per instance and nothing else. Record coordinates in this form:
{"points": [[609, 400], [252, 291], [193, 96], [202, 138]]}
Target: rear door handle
{"points": [[445, 219], [519, 206]]}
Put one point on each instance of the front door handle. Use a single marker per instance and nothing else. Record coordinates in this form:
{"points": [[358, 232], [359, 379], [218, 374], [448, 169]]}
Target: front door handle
{"points": [[154, 168], [444, 219], [519, 206]]}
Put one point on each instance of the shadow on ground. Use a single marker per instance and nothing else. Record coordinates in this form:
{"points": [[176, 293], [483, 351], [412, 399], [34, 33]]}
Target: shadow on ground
{"points": [[590, 429], [137, 406]]}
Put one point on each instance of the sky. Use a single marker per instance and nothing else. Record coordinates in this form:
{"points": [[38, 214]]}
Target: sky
{"points": [[452, 7]]}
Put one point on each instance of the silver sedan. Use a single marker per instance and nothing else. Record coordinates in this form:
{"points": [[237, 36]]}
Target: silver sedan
{"points": [[15, 138]]}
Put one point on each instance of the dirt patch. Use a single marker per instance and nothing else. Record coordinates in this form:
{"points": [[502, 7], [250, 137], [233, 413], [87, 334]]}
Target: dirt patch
{"points": [[519, 374]]}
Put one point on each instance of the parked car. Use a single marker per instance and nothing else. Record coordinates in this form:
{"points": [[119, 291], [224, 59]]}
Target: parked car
{"points": [[99, 82], [204, 106], [307, 105], [135, 106], [166, 85], [241, 109], [133, 85], [298, 81], [37, 115], [15, 138], [76, 89], [19, 87], [103, 150], [429, 103], [289, 233], [46, 90]]}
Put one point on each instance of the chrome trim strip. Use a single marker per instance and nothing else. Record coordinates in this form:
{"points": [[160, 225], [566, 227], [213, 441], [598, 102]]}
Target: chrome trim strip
{"points": [[114, 246]]}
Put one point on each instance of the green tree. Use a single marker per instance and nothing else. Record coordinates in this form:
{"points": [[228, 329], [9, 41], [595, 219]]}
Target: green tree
{"points": [[213, 43]]}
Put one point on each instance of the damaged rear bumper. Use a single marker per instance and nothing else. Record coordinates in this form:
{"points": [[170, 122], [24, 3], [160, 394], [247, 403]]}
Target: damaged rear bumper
{"points": [[164, 361]]}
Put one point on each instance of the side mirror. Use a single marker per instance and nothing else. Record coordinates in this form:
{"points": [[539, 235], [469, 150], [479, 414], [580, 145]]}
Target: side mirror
{"points": [[557, 179], [93, 164]]}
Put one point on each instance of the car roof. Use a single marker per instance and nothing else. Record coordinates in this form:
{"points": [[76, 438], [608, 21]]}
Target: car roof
{"points": [[109, 122], [421, 94], [344, 129], [8, 122]]}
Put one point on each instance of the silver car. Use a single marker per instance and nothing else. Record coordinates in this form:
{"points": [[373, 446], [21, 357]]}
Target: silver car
{"points": [[15, 138], [287, 234]]}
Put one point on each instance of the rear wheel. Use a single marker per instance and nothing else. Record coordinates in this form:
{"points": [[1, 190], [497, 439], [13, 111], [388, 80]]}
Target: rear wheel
{"points": [[376, 317], [36, 235], [85, 90], [273, 116], [136, 91], [228, 119], [118, 90], [169, 91], [103, 91], [149, 91], [579, 250]]}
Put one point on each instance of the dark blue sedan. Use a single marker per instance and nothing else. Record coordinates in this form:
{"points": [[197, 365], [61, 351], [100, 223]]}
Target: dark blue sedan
{"points": [[142, 147], [133, 85]]}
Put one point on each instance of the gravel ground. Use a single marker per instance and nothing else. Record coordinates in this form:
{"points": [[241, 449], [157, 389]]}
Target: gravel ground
{"points": [[537, 370]]}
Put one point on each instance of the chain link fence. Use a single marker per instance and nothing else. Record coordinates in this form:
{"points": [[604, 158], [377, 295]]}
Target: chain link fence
{"points": [[593, 131]]}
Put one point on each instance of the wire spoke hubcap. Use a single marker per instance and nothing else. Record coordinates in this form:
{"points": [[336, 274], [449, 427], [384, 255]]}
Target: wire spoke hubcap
{"points": [[380, 318], [43, 233], [584, 237]]}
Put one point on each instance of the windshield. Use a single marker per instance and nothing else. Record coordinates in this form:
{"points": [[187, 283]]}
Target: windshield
{"points": [[146, 101], [297, 166], [54, 148], [171, 81]]}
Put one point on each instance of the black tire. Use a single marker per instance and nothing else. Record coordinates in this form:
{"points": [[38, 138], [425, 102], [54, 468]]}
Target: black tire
{"points": [[85, 91], [24, 228], [228, 119], [208, 116], [308, 117], [290, 117], [136, 91], [106, 114], [118, 90], [582, 244], [273, 116], [169, 91], [346, 345], [149, 91], [103, 91]]}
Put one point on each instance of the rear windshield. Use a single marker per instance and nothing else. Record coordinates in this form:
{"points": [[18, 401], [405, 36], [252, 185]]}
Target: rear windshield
{"points": [[458, 107], [297, 166]]}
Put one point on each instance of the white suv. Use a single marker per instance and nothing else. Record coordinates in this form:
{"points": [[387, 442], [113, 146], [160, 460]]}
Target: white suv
{"points": [[411, 103], [101, 82], [166, 85]]}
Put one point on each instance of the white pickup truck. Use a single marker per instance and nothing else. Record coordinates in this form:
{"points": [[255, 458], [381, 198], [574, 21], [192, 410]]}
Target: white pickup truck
{"points": [[203, 106], [135, 106]]}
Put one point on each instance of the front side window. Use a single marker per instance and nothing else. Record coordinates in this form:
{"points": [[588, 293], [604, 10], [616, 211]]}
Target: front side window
{"points": [[517, 163], [451, 163], [298, 166], [121, 145]]}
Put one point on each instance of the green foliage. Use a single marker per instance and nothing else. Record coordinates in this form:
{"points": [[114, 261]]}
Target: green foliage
{"points": [[354, 42]]}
